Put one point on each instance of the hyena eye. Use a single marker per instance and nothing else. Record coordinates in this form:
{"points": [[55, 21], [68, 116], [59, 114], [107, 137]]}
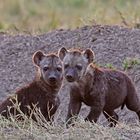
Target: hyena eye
{"points": [[66, 66], [59, 69], [79, 67], [45, 68]]}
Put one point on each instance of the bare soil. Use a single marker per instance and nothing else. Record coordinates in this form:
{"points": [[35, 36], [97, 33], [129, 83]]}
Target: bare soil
{"points": [[111, 44]]}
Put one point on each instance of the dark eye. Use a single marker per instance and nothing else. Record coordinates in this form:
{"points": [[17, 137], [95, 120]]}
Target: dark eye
{"points": [[45, 68], [59, 69], [66, 66], [79, 67]]}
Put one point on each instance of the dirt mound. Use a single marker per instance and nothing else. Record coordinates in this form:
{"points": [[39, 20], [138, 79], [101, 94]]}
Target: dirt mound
{"points": [[111, 44]]}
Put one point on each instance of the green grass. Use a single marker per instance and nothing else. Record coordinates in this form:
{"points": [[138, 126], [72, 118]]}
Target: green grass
{"points": [[129, 63], [45, 15], [109, 65]]}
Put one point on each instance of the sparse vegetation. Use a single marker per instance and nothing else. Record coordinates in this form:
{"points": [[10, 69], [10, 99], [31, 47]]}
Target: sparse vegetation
{"points": [[109, 65], [129, 63], [106, 65]]}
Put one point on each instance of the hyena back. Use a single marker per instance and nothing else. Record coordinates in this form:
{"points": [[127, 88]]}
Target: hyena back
{"points": [[103, 90]]}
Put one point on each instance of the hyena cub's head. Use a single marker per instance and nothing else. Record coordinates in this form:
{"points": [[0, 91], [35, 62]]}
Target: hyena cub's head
{"points": [[49, 67], [75, 62]]}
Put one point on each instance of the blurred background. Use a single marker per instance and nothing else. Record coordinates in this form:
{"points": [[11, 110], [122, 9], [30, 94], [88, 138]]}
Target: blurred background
{"points": [[38, 16]]}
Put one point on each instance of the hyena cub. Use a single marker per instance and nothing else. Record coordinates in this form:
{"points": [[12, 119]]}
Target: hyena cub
{"points": [[103, 90], [42, 92]]}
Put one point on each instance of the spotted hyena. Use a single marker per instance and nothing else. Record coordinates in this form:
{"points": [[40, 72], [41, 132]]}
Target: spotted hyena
{"points": [[103, 90], [42, 92]]}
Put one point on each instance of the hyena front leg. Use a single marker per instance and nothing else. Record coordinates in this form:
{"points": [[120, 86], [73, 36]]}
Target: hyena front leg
{"points": [[112, 117], [96, 107], [73, 110], [94, 114]]}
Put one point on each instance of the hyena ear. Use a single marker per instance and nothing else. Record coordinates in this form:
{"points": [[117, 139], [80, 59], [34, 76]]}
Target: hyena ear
{"points": [[89, 54], [62, 52], [37, 57]]}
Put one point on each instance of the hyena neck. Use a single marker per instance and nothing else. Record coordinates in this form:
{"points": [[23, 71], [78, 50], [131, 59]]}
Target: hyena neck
{"points": [[53, 90], [92, 75], [88, 80]]}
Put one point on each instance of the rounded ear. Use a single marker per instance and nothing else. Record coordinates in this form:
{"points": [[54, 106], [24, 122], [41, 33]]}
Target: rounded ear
{"points": [[62, 52], [37, 57], [89, 54]]}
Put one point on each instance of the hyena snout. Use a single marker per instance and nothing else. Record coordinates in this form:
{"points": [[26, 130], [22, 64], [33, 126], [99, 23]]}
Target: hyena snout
{"points": [[52, 79], [69, 78], [71, 75]]}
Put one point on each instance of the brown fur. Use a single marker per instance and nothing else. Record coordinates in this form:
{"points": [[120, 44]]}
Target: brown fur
{"points": [[103, 90], [41, 92]]}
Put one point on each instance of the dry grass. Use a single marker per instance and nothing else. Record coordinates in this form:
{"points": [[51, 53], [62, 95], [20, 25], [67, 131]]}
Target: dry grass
{"points": [[27, 129], [44, 15], [81, 131]]}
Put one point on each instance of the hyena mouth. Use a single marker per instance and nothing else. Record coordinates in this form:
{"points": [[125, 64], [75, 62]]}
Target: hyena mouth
{"points": [[70, 79], [52, 81]]}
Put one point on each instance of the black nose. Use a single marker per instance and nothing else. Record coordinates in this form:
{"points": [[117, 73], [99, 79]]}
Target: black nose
{"points": [[70, 78], [52, 79]]}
